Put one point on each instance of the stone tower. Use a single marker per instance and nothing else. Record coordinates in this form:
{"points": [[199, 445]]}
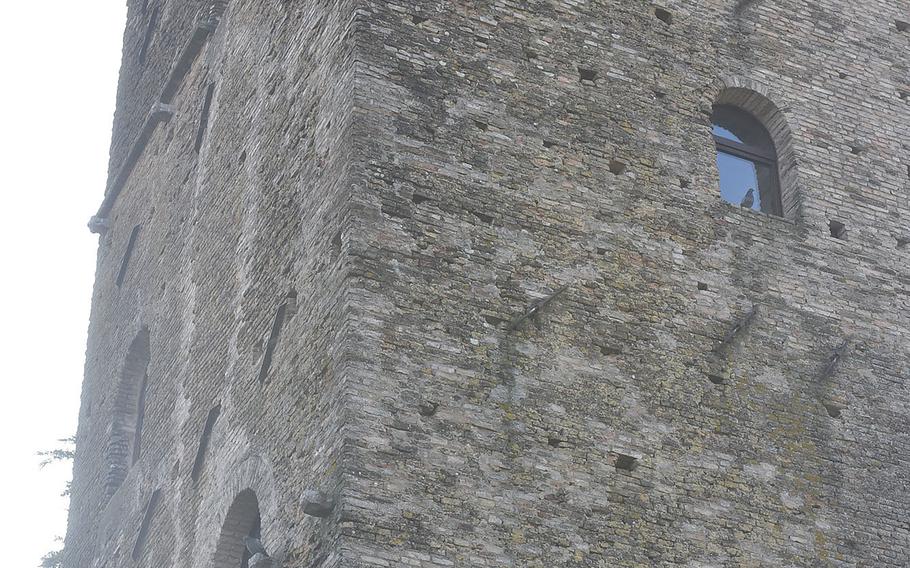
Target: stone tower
{"points": [[457, 283]]}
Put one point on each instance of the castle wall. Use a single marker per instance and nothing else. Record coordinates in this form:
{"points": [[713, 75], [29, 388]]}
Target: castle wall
{"points": [[228, 236], [344, 272], [496, 172]]}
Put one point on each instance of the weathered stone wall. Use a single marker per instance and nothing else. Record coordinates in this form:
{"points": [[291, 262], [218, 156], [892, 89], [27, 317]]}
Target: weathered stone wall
{"points": [[487, 185], [420, 175], [226, 235]]}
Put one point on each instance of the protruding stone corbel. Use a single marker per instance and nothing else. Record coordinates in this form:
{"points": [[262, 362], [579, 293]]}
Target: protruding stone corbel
{"points": [[162, 112], [261, 561], [99, 225], [317, 504]]}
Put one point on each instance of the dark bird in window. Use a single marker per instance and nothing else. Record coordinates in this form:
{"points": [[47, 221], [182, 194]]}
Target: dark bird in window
{"points": [[254, 546], [749, 199]]}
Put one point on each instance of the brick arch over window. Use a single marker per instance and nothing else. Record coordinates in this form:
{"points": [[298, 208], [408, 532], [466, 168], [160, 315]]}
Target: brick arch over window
{"points": [[243, 519], [754, 99], [125, 440]]}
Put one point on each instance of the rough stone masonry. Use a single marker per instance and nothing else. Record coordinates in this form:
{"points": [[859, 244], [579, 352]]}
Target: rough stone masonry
{"points": [[451, 283]]}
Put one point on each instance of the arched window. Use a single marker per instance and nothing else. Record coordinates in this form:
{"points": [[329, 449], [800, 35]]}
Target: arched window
{"points": [[129, 412], [746, 160], [242, 521]]}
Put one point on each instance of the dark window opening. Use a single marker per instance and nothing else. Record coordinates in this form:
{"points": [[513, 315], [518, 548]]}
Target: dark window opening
{"points": [[204, 442], [140, 418], [272, 343], [746, 161], [663, 15], [204, 117], [146, 524], [902, 26], [127, 255], [149, 34]]}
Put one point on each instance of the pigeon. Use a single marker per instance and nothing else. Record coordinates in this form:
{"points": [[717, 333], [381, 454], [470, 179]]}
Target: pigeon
{"points": [[254, 546], [749, 199]]}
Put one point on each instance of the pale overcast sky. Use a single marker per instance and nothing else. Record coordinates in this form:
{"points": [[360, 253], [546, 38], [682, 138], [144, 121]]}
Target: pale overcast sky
{"points": [[60, 62]]}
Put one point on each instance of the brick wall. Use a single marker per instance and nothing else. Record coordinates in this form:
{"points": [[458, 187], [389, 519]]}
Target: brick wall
{"points": [[707, 386]]}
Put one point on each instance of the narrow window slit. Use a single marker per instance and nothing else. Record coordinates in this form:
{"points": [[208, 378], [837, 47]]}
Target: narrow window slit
{"points": [[204, 117], [149, 34], [146, 524], [204, 442], [127, 254], [277, 324], [140, 419]]}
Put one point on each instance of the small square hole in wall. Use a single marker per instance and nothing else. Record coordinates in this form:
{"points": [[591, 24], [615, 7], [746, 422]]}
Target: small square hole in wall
{"points": [[626, 463], [834, 410], [663, 15], [617, 167], [838, 230], [702, 286], [587, 75], [902, 26]]}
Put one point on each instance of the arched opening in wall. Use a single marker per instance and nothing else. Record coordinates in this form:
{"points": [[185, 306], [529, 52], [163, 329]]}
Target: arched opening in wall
{"points": [[125, 443], [755, 157], [243, 520]]}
